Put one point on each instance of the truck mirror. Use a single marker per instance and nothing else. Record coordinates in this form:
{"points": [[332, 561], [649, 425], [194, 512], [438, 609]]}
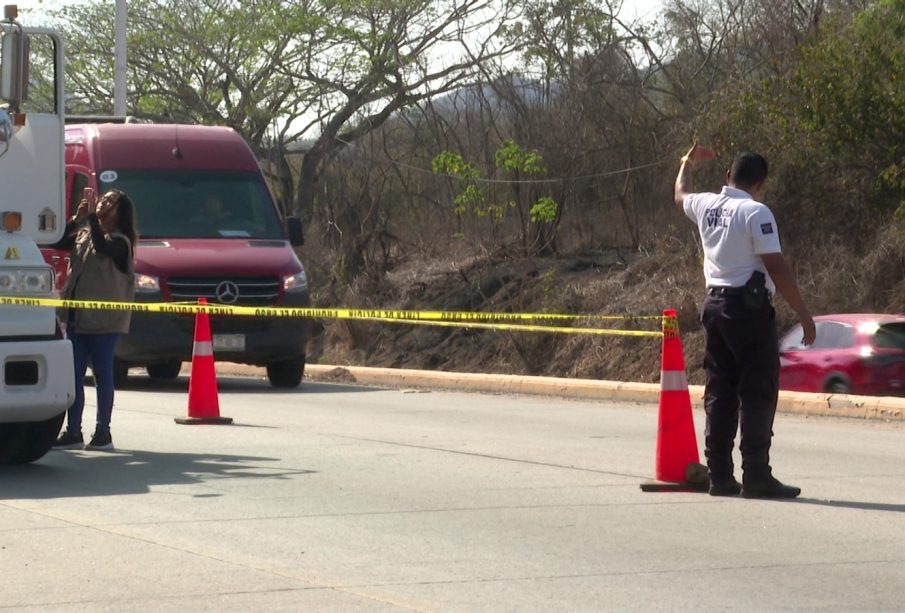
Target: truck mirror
{"points": [[294, 227], [14, 68]]}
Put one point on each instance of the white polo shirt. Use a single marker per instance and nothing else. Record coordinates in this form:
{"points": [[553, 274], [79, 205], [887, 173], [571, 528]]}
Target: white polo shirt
{"points": [[735, 230]]}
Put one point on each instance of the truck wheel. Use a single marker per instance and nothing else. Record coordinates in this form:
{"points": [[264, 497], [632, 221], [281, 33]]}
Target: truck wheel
{"points": [[287, 373], [24, 442], [164, 370]]}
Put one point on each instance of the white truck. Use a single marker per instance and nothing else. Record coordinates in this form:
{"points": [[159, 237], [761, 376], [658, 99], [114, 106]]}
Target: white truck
{"points": [[36, 370]]}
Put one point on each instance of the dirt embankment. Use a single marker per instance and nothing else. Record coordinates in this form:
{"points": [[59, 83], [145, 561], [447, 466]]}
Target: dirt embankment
{"points": [[629, 285]]}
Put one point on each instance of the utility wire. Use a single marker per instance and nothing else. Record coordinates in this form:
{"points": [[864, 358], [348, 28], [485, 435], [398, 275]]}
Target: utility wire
{"points": [[609, 173]]}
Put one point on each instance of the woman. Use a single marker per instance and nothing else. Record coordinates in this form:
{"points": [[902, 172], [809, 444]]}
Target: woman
{"points": [[101, 237]]}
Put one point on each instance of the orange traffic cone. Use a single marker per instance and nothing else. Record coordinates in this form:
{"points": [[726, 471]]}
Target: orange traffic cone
{"points": [[204, 405], [677, 448]]}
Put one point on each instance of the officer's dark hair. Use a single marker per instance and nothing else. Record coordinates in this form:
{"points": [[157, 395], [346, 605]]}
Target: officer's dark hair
{"points": [[748, 169]]}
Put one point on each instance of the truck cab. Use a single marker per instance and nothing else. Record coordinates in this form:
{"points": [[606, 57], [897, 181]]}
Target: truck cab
{"points": [[37, 381]]}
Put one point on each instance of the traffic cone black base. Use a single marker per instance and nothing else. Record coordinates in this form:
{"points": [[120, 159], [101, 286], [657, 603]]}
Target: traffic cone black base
{"points": [[696, 480], [203, 420]]}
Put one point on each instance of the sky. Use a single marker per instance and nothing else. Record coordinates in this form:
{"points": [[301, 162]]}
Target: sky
{"points": [[633, 9]]}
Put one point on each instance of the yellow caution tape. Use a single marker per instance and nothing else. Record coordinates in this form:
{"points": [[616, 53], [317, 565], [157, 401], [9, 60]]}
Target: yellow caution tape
{"points": [[397, 314], [524, 327], [436, 318]]}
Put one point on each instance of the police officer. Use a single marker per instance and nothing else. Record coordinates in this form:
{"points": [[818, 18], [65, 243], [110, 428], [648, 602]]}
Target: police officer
{"points": [[743, 267]]}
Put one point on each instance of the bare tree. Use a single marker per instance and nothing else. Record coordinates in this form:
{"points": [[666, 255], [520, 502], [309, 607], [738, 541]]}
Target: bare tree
{"points": [[365, 61]]}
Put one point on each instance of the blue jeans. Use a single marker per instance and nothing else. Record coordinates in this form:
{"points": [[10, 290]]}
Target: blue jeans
{"points": [[99, 349]]}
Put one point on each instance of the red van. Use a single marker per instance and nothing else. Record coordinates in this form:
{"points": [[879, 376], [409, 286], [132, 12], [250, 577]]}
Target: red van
{"points": [[208, 226]]}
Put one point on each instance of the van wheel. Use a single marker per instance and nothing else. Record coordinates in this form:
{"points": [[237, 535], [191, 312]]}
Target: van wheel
{"points": [[24, 442], [164, 370], [287, 373], [837, 386], [120, 373]]}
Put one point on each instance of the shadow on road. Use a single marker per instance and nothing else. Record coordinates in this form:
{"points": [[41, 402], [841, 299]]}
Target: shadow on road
{"points": [[852, 504], [62, 474]]}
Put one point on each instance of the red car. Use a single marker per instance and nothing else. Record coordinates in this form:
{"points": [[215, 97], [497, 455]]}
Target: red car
{"points": [[853, 354]]}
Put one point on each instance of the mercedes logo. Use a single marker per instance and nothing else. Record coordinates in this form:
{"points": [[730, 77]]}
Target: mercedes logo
{"points": [[227, 292]]}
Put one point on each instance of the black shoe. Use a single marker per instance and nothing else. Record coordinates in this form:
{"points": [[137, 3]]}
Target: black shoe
{"points": [[769, 488], [729, 487], [101, 441], [68, 440]]}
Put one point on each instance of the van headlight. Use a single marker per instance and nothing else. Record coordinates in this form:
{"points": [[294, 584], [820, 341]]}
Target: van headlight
{"points": [[146, 283], [26, 281], [295, 283]]}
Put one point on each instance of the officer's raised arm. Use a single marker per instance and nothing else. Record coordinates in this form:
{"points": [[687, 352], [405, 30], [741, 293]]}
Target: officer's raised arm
{"points": [[683, 185]]}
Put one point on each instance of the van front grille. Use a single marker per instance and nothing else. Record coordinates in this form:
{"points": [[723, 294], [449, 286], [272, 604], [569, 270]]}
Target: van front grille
{"points": [[241, 291]]}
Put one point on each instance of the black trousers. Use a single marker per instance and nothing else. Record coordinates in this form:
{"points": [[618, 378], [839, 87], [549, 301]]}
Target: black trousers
{"points": [[741, 362]]}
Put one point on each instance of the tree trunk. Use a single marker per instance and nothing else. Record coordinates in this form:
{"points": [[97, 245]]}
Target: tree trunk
{"points": [[308, 176]]}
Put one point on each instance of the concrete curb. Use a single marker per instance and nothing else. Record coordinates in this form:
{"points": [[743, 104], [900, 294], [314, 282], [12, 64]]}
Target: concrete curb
{"points": [[833, 405]]}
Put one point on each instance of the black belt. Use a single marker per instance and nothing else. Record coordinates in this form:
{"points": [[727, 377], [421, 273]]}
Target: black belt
{"points": [[725, 291]]}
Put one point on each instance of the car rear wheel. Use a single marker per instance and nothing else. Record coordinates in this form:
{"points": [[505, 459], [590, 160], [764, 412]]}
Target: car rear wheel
{"points": [[837, 386], [287, 373], [24, 442], [164, 370]]}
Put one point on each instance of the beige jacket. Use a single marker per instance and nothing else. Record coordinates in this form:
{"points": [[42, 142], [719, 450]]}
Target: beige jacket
{"points": [[94, 276]]}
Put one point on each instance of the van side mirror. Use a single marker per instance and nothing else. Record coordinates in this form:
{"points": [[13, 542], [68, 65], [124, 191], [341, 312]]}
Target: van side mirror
{"points": [[14, 67], [6, 127], [294, 228]]}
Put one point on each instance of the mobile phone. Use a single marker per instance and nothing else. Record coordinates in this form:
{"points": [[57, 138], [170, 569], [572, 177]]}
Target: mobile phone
{"points": [[88, 194]]}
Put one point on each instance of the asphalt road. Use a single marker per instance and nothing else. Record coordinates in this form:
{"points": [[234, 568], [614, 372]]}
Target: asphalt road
{"points": [[340, 498]]}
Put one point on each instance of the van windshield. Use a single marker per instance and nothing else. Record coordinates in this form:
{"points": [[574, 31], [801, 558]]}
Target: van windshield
{"points": [[197, 204]]}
